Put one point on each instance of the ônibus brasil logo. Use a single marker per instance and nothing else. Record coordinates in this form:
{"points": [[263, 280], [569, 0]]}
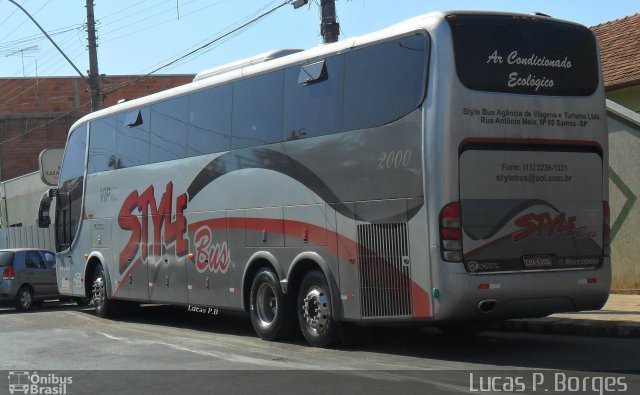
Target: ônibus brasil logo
{"points": [[24, 382]]}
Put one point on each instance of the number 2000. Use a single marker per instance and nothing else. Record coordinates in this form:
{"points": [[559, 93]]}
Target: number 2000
{"points": [[394, 159]]}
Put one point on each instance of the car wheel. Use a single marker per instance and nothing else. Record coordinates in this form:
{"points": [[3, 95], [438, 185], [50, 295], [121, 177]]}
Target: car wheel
{"points": [[24, 298], [314, 310], [271, 311]]}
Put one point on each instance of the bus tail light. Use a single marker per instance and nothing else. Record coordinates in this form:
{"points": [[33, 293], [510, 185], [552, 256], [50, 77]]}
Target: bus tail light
{"points": [[451, 232], [9, 273], [606, 229]]}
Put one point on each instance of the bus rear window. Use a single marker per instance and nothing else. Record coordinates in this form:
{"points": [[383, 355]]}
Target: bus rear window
{"points": [[525, 55]]}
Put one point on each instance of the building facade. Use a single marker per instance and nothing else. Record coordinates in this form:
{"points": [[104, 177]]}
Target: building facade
{"points": [[36, 113], [619, 43]]}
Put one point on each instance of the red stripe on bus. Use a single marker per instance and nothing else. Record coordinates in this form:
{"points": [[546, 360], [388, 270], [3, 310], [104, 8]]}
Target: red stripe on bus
{"points": [[345, 248], [420, 301]]}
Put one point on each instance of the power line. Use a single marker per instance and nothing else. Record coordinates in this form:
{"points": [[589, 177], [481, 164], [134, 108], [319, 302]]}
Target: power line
{"points": [[124, 9], [46, 34], [33, 81], [8, 93], [37, 37], [123, 21], [133, 14], [147, 27], [25, 21], [235, 24], [244, 25], [188, 54]]}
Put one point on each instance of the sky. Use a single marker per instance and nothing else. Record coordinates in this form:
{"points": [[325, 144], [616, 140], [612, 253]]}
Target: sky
{"points": [[141, 36]]}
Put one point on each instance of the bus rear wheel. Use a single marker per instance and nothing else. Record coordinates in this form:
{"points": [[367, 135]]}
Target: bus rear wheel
{"points": [[270, 310], [314, 310]]}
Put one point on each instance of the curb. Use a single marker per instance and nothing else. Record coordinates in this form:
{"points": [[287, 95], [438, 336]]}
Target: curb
{"points": [[626, 291], [569, 326]]}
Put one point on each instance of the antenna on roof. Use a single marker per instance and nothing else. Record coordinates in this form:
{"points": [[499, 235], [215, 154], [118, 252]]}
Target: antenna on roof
{"points": [[21, 52]]}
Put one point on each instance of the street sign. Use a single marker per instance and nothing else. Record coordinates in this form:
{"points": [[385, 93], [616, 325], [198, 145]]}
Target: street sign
{"points": [[50, 161]]}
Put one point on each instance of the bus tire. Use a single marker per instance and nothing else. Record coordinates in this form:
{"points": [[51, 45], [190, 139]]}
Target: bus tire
{"points": [[103, 306], [314, 311], [271, 311]]}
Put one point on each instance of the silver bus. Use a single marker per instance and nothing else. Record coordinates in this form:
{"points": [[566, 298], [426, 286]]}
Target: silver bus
{"points": [[448, 169]]}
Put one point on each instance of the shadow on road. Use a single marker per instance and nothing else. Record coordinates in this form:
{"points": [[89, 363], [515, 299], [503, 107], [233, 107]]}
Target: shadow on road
{"points": [[48, 306], [504, 349]]}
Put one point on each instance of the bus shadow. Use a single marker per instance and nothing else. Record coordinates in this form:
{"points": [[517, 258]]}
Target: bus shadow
{"points": [[492, 348], [179, 317], [510, 349]]}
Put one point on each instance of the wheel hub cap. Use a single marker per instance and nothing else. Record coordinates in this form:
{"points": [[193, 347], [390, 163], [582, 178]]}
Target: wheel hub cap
{"points": [[316, 309], [98, 291], [25, 299]]}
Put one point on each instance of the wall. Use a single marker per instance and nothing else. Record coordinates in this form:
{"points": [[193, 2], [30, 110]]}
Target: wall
{"points": [[24, 136], [624, 188], [36, 113], [20, 198], [628, 97], [19, 201]]}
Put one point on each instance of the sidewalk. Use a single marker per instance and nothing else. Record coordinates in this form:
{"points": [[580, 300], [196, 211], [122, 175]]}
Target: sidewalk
{"points": [[620, 317]]}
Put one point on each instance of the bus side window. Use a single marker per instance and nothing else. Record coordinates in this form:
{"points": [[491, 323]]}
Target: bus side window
{"points": [[384, 82], [313, 99], [209, 121], [169, 129], [133, 138], [102, 145], [257, 110]]}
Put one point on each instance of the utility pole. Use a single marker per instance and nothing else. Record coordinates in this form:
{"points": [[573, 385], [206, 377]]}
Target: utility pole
{"points": [[329, 27], [94, 76]]}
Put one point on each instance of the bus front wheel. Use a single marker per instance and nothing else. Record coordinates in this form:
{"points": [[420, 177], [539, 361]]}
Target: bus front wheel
{"points": [[104, 306], [314, 310]]}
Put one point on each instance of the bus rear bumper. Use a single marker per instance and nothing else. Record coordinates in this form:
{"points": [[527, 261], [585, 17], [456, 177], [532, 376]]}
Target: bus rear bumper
{"points": [[478, 297]]}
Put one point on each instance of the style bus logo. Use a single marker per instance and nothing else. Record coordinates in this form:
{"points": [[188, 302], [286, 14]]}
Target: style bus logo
{"points": [[34, 383], [156, 227]]}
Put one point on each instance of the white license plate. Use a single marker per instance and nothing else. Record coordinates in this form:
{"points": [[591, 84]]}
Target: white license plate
{"points": [[537, 261]]}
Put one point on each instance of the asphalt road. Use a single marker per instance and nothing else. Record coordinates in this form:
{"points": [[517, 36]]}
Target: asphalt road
{"points": [[170, 349]]}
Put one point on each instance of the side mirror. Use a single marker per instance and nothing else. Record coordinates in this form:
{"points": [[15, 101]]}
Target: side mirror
{"points": [[44, 220]]}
